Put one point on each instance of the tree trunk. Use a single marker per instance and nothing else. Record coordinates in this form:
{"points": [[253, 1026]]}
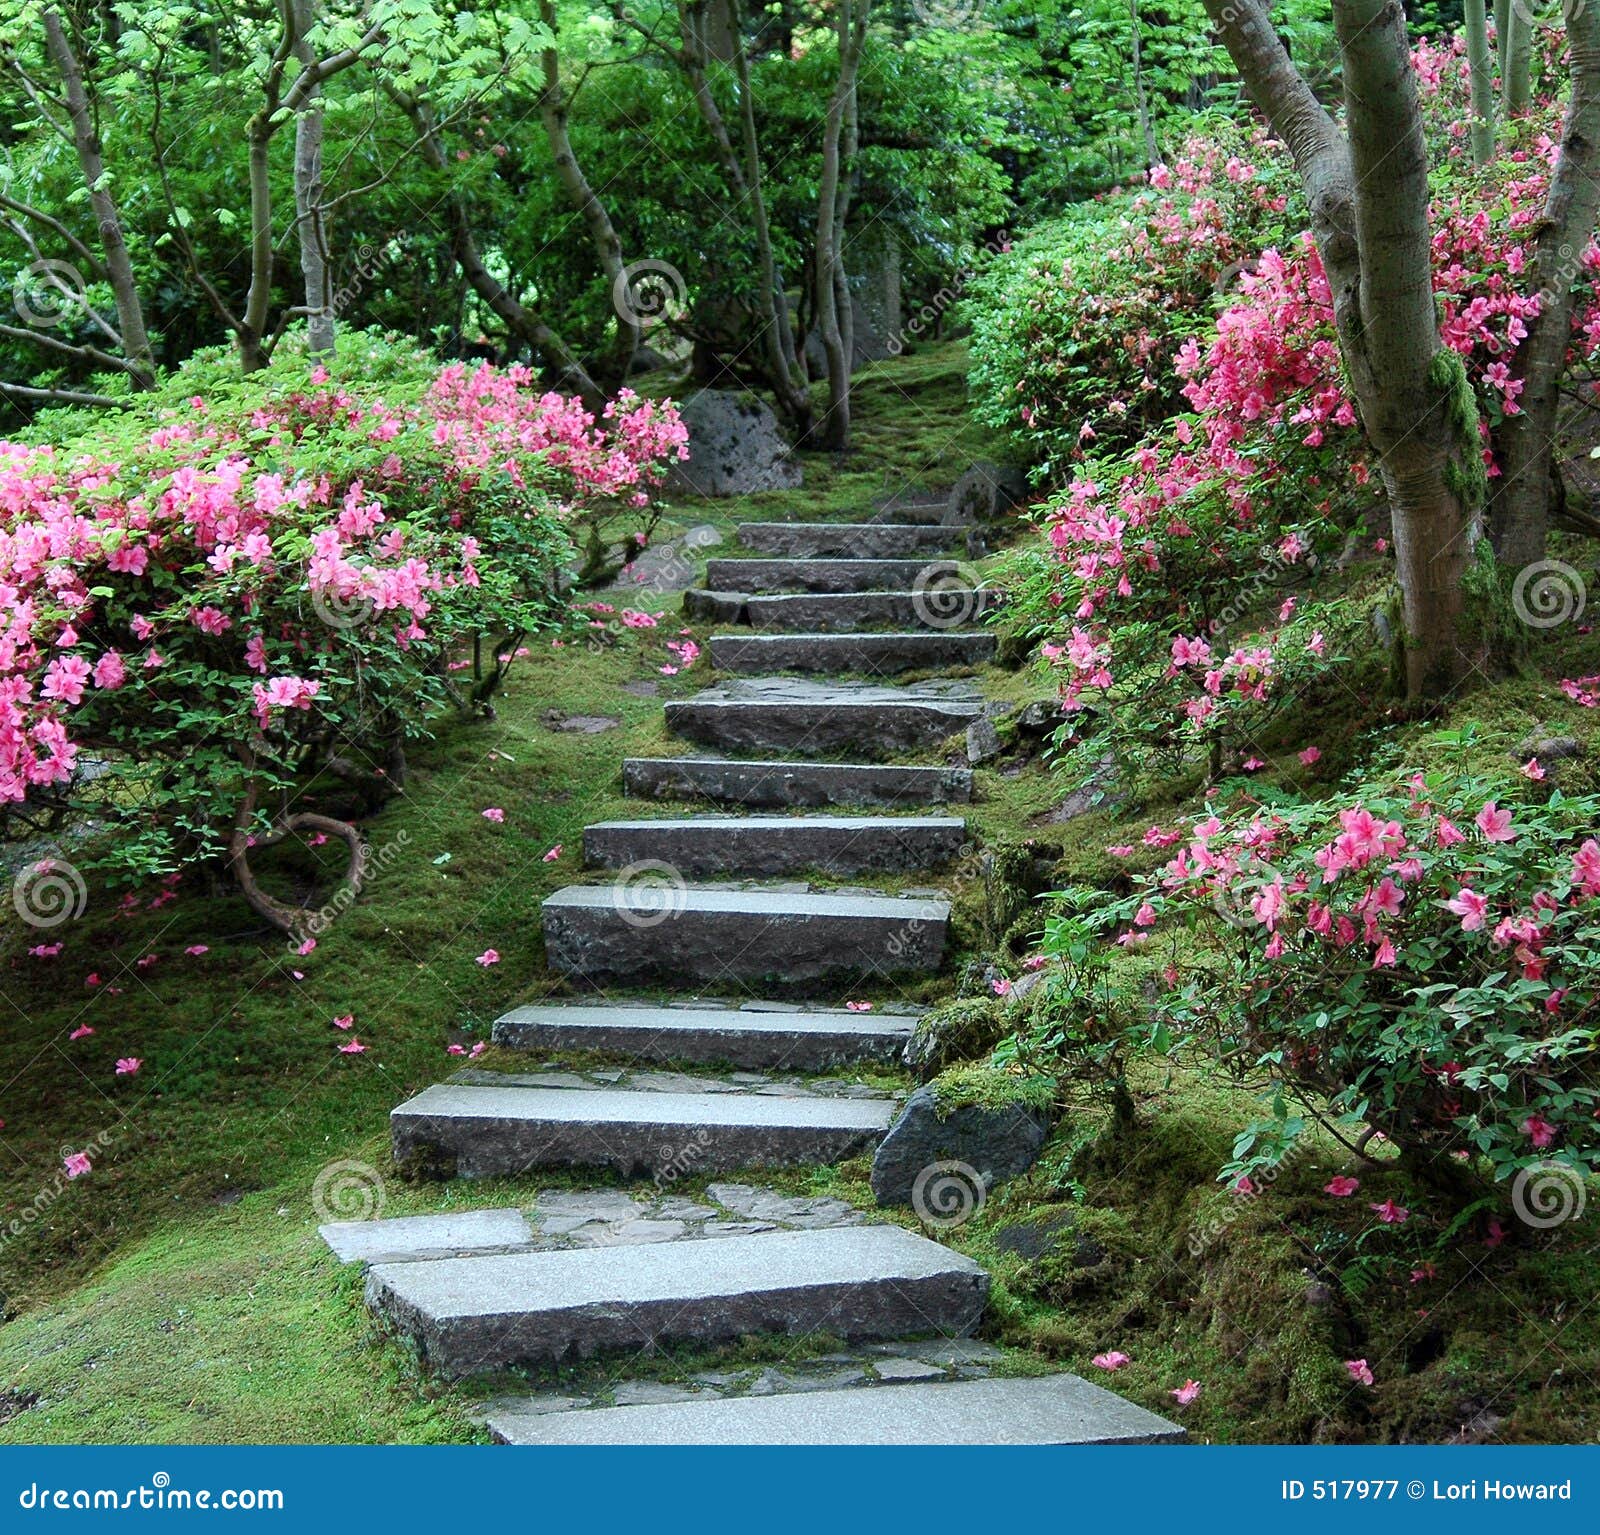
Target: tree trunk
{"points": [[1481, 69], [1516, 60], [603, 234], [1369, 204], [1526, 443], [310, 225], [1152, 155], [118, 267]]}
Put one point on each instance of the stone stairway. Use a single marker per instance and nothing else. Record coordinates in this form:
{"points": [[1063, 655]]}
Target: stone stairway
{"points": [[689, 901]]}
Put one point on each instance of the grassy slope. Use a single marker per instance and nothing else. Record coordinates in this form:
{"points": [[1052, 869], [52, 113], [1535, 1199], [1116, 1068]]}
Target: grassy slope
{"points": [[180, 1292]]}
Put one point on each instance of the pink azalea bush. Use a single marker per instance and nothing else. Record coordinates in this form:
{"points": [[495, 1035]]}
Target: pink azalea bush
{"points": [[212, 597], [1420, 958]]}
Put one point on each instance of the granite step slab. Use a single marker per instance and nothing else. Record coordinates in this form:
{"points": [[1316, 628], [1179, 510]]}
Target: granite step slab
{"points": [[1041, 1410], [637, 930], [878, 655], [753, 1037], [473, 1130], [415, 1238], [821, 575], [760, 716], [774, 785], [776, 844], [945, 606], [468, 1316], [849, 540]]}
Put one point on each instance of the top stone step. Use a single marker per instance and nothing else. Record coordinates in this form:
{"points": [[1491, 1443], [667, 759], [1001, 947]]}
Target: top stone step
{"points": [[850, 540], [827, 575]]}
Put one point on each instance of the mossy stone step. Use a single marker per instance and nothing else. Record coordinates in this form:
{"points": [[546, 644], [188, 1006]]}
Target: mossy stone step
{"points": [[469, 1316], [775, 844], [821, 575], [849, 540], [872, 655], [772, 785], [945, 606]]}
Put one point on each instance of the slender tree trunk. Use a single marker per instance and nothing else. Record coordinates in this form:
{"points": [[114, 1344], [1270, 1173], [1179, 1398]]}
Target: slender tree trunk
{"points": [[1481, 69], [1368, 196], [1152, 155], [1516, 60], [1526, 443], [118, 267], [310, 223]]}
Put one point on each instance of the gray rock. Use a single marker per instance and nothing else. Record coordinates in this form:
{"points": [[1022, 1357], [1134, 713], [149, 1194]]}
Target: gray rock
{"points": [[801, 1041], [1032, 1239], [1039, 718], [760, 715], [907, 1369], [580, 724], [717, 607], [767, 785], [873, 655], [472, 1315], [761, 575], [595, 934], [845, 540], [987, 491], [996, 1144], [413, 1237], [735, 448], [1044, 1410], [643, 1393], [983, 741], [476, 1132], [756, 844], [1547, 749]]}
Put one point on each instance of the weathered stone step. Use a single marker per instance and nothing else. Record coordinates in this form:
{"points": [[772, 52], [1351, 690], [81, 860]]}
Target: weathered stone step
{"points": [[472, 1130], [849, 540], [1044, 1410], [753, 1036], [642, 928], [775, 844], [762, 715], [767, 785], [472, 1315], [758, 575], [873, 654], [943, 606]]}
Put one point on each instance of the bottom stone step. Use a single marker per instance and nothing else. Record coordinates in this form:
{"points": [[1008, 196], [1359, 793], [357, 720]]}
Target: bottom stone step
{"points": [[470, 1315], [771, 785], [1048, 1410]]}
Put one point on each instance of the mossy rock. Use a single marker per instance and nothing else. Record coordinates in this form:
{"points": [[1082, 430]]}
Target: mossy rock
{"points": [[963, 1030]]}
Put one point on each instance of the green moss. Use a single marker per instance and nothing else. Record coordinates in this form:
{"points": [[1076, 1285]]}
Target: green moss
{"points": [[985, 1087], [1465, 473]]}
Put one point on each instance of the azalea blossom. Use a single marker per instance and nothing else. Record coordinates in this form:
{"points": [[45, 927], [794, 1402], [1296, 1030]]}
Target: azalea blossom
{"points": [[1342, 1187], [1185, 1393], [1359, 1371], [1112, 1359]]}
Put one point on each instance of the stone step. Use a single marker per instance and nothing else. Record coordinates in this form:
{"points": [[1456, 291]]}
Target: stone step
{"points": [[763, 715], [758, 575], [1042, 1410], [850, 540], [880, 655], [651, 926], [937, 607], [768, 785], [473, 1130], [776, 844], [469, 1316], [753, 1036]]}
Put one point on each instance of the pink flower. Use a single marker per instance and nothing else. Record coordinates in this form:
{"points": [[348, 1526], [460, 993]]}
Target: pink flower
{"points": [[1185, 1393], [1467, 904], [489, 957], [1424, 1271], [196, 949], [1539, 1130], [128, 1066], [352, 1046], [1390, 1213], [1341, 1187], [1035, 962], [1360, 1371], [1001, 986], [1310, 755], [858, 1007], [344, 1020], [1533, 769], [1112, 1359], [553, 854], [306, 946], [83, 1031], [76, 1163], [494, 813], [1495, 824]]}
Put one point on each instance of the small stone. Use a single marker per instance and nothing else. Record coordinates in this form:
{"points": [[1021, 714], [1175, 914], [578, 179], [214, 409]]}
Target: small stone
{"points": [[645, 1393], [1319, 1294], [982, 1146], [642, 688], [983, 742], [580, 724], [907, 1369]]}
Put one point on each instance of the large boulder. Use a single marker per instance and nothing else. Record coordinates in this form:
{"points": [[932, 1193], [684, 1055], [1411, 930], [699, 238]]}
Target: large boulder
{"points": [[942, 1161], [735, 448], [987, 492]]}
